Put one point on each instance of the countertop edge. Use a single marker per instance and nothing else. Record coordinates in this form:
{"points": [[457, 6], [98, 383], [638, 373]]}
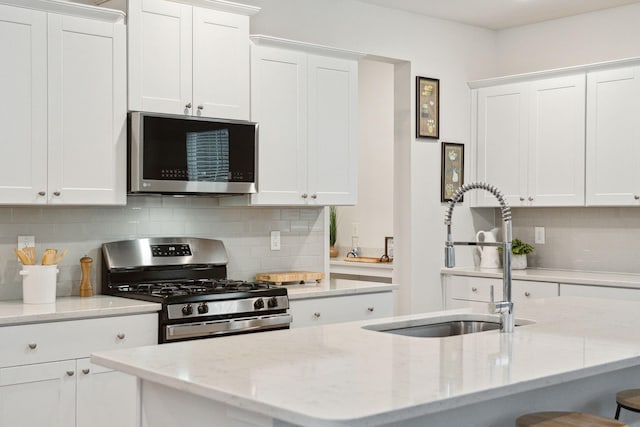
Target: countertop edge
{"points": [[337, 287], [14, 312], [594, 278]]}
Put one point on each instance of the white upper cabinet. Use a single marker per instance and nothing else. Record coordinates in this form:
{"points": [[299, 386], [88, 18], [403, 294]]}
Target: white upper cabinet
{"points": [[306, 105], [530, 141], [64, 81], [613, 137], [191, 60]]}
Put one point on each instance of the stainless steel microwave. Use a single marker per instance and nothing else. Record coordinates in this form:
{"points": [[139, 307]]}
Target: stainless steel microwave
{"points": [[171, 154]]}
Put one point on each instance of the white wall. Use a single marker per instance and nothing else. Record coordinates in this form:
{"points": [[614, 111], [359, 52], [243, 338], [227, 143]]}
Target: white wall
{"points": [[455, 54], [374, 211], [582, 39]]}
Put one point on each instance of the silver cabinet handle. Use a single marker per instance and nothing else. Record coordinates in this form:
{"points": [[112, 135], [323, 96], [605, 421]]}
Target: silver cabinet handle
{"points": [[527, 294], [187, 106], [32, 345], [314, 196], [370, 309], [42, 193], [56, 193], [530, 199], [200, 107], [70, 373], [86, 371], [120, 336], [474, 289], [316, 314], [305, 195], [521, 199], [637, 197]]}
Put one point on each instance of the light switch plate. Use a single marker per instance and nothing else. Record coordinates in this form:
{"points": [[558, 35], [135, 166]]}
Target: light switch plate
{"points": [[26, 242], [538, 235], [275, 240]]}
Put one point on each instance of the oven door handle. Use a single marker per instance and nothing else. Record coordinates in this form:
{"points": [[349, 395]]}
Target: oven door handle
{"points": [[227, 326]]}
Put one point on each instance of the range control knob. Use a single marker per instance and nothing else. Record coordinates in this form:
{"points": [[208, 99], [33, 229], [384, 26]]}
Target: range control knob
{"points": [[187, 310], [273, 302], [258, 304], [203, 308]]}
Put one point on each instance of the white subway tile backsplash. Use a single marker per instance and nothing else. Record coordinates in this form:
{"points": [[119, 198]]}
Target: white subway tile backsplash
{"points": [[82, 230]]}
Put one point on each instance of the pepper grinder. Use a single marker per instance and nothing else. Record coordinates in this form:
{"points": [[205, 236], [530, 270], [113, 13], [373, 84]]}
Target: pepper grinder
{"points": [[86, 289]]}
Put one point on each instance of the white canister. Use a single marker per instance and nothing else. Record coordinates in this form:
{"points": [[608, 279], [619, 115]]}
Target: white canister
{"points": [[39, 284]]}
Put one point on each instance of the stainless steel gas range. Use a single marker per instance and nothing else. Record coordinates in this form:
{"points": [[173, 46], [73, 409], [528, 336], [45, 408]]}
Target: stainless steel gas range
{"points": [[189, 277]]}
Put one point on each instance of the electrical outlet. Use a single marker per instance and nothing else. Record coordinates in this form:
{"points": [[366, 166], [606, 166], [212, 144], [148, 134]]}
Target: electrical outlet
{"points": [[26, 242], [538, 235], [275, 240]]}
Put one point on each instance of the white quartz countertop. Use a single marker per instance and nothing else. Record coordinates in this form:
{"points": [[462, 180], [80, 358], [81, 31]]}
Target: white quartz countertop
{"points": [[68, 308], [370, 265], [344, 375], [622, 280], [336, 287]]}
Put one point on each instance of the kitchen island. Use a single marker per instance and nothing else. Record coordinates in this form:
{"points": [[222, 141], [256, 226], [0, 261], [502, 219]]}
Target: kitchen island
{"points": [[575, 356]]}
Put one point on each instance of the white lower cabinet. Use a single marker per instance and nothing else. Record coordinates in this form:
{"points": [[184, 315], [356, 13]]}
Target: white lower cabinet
{"points": [[468, 291], [46, 377], [628, 294], [344, 308]]}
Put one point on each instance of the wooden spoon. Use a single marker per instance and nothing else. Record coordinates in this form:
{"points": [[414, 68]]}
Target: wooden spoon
{"points": [[24, 259], [30, 252], [48, 256], [59, 257]]}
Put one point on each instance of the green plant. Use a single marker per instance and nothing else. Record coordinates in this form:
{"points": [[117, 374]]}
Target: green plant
{"points": [[333, 225], [518, 247]]}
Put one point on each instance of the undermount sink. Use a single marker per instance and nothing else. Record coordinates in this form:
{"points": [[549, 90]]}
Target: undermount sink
{"points": [[443, 326]]}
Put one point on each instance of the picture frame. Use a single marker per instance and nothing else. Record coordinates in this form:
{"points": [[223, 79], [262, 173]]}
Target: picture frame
{"points": [[427, 107], [452, 172], [388, 247]]}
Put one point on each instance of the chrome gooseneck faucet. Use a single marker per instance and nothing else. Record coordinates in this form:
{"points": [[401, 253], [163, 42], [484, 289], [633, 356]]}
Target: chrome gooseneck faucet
{"points": [[505, 307]]}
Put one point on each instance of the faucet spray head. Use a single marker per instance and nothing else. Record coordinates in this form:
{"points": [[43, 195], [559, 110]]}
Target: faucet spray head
{"points": [[449, 255]]}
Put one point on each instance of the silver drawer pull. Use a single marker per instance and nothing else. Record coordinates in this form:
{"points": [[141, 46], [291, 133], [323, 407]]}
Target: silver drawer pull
{"points": [[370, 309], [42, 193], [32, 345], [70, 373], [474, 289], [316, 314], [200, 107], [187, 106], [527, 294], [86, 371], [120, 336]]}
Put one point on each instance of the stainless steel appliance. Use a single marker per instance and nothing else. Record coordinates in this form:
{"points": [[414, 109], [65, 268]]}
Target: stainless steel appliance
{"points": [[171, 154], [189, 277]]}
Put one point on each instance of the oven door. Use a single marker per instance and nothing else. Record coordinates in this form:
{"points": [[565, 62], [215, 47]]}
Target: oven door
{"points": [[183, 331]]}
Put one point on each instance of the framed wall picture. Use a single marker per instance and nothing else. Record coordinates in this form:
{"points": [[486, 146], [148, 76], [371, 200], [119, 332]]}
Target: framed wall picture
{"points": [[427, 107], [452, 170]]}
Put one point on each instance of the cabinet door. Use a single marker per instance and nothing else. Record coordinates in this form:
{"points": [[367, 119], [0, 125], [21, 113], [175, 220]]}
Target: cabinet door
{"points": [[220, 64], [160, 56], [557, 142], [613, 137], [322, 311], [38, 395], [503, 115], [524, 290], [279, 104], [105, 397], [23, 118], [87, 111], [333, 139]]}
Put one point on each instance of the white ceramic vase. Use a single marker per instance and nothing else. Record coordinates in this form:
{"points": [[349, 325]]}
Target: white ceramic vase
{"points": [[518, 262]]}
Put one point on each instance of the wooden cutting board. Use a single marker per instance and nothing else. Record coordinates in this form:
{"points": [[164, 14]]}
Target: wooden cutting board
{"points": [[367, 259], [281, 277]]}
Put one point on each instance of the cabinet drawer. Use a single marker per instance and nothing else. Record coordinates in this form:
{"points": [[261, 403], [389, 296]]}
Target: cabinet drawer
{"points": [[322, 311], [524, 290], [473, 288], [589, 291], [43, 342]]}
